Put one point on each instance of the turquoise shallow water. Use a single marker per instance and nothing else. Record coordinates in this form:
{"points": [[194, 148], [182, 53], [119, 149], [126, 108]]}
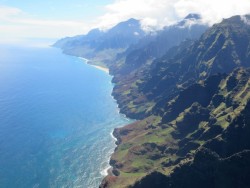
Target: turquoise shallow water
{"points": [[56, 116]]}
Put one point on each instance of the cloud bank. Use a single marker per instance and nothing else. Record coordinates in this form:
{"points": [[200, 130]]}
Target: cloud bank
{"points": [[16, 24], [154, 14], [158, 13]]}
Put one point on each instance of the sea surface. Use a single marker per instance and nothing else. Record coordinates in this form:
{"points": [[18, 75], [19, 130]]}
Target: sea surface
{"points": [[56, 119]]}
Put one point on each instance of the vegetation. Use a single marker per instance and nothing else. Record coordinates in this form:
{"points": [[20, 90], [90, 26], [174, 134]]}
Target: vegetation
{"points": [[196, 96], [192, 103]]}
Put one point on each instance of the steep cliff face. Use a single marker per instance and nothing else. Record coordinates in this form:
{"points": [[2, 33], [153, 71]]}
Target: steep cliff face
{"points": [[199, 99], [157, 44], [221, 49], [221, 162], [169, 145]]}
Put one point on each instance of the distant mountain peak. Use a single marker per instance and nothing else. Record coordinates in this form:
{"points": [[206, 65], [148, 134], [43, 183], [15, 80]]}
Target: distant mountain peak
{"points": [[193, 16], [94, 32], [129, 22], [190, 20], [132, 20], [130, 27]]}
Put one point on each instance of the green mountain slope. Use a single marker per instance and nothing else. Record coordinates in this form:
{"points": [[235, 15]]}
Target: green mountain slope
{"points": [[217, 121], [222, 161], [192, 103], [222, 48]]}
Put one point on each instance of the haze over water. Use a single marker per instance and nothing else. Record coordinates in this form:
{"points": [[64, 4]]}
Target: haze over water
{"points": [[56, 116]]}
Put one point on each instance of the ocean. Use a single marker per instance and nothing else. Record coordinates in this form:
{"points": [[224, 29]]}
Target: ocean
{"points": [[56, 119]]}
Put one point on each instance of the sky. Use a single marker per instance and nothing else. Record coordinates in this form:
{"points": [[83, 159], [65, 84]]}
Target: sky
{"points": [[60, 18]]}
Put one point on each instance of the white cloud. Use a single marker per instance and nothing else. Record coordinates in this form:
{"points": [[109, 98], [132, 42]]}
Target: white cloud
{"points": [[245, 20], [165, 12], [154, 14], [17, 24], [6, 12], [151, 11], [213, 11]]}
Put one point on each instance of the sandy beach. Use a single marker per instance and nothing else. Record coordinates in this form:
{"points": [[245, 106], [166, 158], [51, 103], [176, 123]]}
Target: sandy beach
{"points": [[101, 68], [96, 66]]}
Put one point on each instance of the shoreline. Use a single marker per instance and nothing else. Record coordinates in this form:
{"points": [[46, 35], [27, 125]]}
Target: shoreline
{"points": [[108, 171], [101, 68], [104, 69]]}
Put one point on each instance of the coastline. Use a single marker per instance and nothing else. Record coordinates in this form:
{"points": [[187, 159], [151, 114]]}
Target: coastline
{"points": [[104, 69], [100, 68], [108, 171]]}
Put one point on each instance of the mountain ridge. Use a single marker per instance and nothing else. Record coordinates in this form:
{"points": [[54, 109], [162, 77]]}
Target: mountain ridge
{"points": [[199, 123]]}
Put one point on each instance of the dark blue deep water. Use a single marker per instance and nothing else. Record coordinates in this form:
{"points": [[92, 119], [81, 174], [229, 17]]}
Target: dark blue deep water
{"points": [[56, 116]]}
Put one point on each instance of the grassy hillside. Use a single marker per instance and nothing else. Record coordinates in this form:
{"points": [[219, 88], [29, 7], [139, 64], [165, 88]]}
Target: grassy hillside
{"points": [[162, 144], [194, 97]]}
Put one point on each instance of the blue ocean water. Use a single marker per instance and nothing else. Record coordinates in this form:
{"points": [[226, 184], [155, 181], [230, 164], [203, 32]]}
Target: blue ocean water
{"points": [[56, 116]]}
